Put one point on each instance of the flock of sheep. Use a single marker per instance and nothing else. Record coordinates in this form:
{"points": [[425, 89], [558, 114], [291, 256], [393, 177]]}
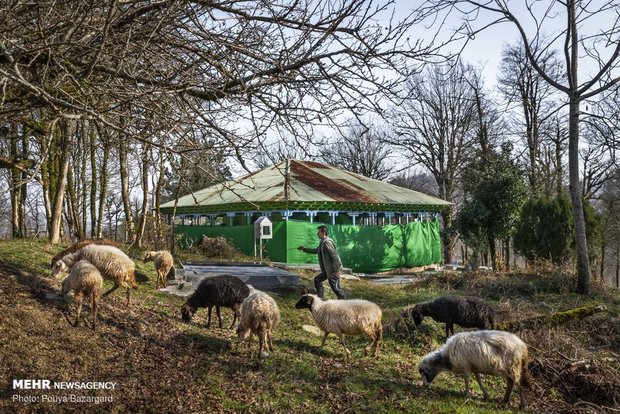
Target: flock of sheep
{"points": [[479, 352]]}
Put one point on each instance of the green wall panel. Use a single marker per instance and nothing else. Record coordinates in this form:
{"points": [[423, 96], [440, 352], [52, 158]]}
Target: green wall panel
{"points": [[362, 248]]}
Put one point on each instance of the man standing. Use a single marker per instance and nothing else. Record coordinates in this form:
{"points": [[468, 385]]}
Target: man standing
{"points": [[329, 261]]}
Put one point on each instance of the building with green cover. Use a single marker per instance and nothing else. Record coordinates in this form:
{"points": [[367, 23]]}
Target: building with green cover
{"points": [[376, 226]]}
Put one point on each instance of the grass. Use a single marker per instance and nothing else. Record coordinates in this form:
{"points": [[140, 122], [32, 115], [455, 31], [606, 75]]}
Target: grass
{"points": [[164, 365]]}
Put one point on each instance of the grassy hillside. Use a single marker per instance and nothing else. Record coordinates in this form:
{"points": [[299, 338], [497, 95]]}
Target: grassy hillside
{"points": [[163, 365]]}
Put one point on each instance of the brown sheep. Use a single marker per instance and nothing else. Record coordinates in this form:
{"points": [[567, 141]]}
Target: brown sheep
{"points": [[163, 263], [85, 281]]}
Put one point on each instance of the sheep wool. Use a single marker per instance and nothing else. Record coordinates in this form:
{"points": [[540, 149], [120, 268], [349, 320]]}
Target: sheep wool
{"points": [[465, 311], [345, 317], [111, 262], [84, 280], [222, 290], [260, 315], [162, 260], [77, 246], [495, 353]]}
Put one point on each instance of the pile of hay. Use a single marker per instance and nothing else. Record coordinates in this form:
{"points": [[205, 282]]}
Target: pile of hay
{"points": [[217, 247]]}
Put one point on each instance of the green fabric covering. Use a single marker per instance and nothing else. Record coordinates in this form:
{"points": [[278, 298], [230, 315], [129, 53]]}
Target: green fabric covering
{"points": [[362, 248]]}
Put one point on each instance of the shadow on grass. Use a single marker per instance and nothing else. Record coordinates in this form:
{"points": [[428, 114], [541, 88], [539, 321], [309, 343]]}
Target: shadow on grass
{"points": [[305, 346], [141, 277]]}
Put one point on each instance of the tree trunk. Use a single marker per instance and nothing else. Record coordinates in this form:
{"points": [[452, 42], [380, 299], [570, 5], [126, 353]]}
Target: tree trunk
{"points": [[493, 253], [581, 243], [157, 196], [103, 183], [122, 154], [56, 221], [93, 182], [23, 189], [145, 195], [507, 254], [15, 184], [447, 236], [551, 320]]}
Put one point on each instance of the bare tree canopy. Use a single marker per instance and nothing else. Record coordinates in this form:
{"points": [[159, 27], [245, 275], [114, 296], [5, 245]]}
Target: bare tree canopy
{"points": [[360, 149], [545, 26], [237, 68], [129, 84]]}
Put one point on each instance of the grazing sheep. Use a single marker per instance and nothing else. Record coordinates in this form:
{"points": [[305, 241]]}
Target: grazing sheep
{"points": [[82, 243], [223, 290], [345, 317], [260, 315], [481, 352], [113, 264], [466, 311], [163, 263], [84, 280]]}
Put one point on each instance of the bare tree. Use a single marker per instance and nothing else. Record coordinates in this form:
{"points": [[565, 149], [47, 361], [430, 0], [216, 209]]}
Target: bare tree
{"points": [[424, 183], [360, 149], [239, 70], [568, 26], [434, 125], [523, 87]]}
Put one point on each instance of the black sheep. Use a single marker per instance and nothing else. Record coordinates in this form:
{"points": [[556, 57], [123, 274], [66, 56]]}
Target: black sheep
{"points": [[465, 311], [216, 291]]}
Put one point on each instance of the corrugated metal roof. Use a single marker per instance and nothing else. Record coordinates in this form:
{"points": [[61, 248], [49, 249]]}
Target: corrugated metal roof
{"points": [[299, 182]]}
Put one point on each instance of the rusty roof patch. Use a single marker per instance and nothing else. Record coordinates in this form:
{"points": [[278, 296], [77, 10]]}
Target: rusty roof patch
{"points": [[337, 191], [312, 164]]}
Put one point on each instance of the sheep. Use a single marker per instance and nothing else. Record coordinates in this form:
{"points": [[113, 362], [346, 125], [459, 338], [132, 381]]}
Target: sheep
{"points": [[496, 353], [84, 280], [222, 290], [113, 264], [163, 263], [466, 311], [345, 317], [77, 246], [260, 315]]}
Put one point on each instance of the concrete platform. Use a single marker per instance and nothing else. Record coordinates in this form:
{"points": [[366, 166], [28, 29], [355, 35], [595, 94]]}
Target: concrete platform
{"points": [[258, 275]]}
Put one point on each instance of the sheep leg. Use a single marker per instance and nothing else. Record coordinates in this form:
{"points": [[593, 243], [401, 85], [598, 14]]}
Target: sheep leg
{"points": [[79, 300], [509, 384], [270, 341], [261, 345], [94, 310], [111, 290], [449, 329], [163, 279], [237, 314], [521, 396], [219, 317], [128, 296], [466, 377], [324, 339], [209, 317], [344, 344], [484, 390], [370, 331], [379, 336]]}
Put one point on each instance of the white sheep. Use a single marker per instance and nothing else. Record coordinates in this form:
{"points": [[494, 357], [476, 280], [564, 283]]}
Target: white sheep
{"points": [[113, 264], [84, 280], [162, 260], [345, 317], [481, 352], [260, 315]]}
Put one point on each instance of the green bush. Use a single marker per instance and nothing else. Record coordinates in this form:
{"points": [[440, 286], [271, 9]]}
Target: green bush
{"points": [[545, 230]]}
